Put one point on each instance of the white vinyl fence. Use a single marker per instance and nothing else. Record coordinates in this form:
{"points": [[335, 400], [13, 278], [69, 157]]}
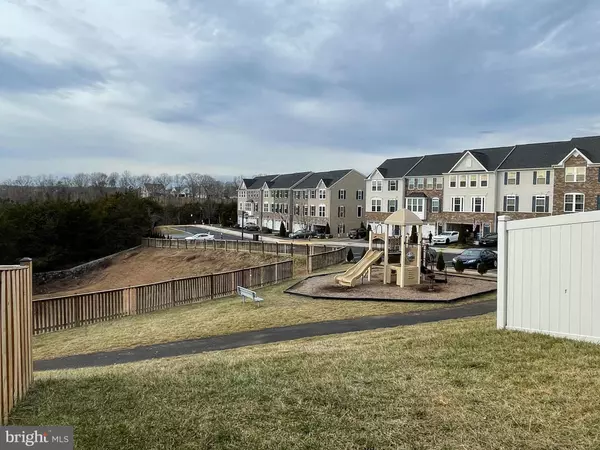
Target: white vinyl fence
{"points": [[549, 275]]}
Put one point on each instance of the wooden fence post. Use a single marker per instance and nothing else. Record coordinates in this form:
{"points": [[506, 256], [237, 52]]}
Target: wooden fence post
{"points": [[204, 244], [277, 248], [212, 286], [214, 244], [225, 245], [276, 267], [292, 249], [237, 245], [28, 319]]}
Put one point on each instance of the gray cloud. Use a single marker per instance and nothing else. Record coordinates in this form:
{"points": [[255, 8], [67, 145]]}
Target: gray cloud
{"points": [[227, 86]]}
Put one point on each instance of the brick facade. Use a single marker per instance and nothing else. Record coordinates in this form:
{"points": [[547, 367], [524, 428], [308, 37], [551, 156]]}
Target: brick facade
{"points": [[523, 215], [590, 187]]}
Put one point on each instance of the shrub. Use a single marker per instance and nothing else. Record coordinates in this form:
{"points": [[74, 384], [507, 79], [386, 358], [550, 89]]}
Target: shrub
{"points": [[327, 229], [482, 268], [462, 235], [350, 256], [459, 266], [266, 230], [282, 230], [414, 237], [362, 226], [369, 229], [441, 264]]}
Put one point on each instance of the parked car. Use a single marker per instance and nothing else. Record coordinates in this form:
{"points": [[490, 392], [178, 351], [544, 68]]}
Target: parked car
{"points": [[201, 237], [252, 228], [489, 240], [323, 236], [302, 234], [357, 233], [473, 256], [446, 237]]}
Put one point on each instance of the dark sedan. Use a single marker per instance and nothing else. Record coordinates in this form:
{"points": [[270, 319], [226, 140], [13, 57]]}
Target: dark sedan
{"points": [[357, 233], [473, 256], [489, 240]]}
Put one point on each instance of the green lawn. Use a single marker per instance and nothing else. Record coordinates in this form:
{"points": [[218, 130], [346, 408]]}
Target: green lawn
{"points": [[211, 318], [449, 385]]}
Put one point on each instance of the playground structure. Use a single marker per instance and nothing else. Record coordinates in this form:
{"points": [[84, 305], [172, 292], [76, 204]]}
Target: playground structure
{"points": [[407, 270]]}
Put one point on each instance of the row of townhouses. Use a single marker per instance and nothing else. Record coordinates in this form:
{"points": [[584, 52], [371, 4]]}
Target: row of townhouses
{"points": [[304, 200], [472, 188], [447, 191]]}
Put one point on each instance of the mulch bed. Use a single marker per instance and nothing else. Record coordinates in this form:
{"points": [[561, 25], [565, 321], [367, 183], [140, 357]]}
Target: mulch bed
{"points": [[457, 288]]}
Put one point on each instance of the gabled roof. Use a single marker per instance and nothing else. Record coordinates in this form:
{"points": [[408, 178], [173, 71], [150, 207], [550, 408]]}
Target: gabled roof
{"points": [[537, 156], [589, 146], [434, 164], [329, 178], [258, 182], [491, 158], [398, 167], [288, 180]]}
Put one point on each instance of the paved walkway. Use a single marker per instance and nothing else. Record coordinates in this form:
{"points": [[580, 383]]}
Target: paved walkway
{"points": [[266, 336]]}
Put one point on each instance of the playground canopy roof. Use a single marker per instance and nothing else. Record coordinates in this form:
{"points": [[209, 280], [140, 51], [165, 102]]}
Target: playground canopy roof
{"points": [[403, 217]]}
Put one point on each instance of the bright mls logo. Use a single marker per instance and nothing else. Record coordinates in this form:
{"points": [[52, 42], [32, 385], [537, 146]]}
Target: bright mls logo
{"points": [[47, 438]]}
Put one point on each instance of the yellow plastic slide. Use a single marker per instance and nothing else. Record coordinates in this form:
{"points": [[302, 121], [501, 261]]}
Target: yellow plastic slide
{"points": [[351, 277]]}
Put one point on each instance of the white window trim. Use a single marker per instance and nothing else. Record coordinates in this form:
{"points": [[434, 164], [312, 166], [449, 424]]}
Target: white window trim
{"points": [[376, 185], [377, 199], [412, 183], [395, 182], [508, 178], [466, 181], [438, 204], [462, 203], [419, 203], [482, 198], [439, 185], [388, 204], [359, 211], [421, 185], [514, 197], [455, 179], [543, 197], [476, 181], [427, 183], [360, 194], [487, 180], [574, 194], [575, 173]]}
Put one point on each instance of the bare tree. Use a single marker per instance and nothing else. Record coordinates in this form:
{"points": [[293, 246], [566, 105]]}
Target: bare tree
{"points": [[142, 179], [126, 180], [24, 180], [164, 178], [98, 179], [81, 180], [192, 182], [113, 180]]}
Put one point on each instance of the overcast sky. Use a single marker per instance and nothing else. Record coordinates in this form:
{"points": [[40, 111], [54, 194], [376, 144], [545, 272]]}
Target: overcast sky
{"points": [[232, 87]]}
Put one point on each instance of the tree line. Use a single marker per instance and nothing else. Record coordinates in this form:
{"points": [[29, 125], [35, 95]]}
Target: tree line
{"points": [[88, 186], [59, 234]]}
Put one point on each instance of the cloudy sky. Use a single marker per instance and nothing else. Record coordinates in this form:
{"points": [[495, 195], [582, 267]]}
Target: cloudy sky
{"points": [[232, 87]]}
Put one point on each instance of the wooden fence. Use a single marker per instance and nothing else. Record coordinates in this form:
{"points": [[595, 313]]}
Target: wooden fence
{"points": [[276, 248], [321, 260], [59, 313], [16, 360]]}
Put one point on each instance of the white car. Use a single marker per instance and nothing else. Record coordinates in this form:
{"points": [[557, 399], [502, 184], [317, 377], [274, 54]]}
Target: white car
{"points": [[446, 237], [201, 237]]}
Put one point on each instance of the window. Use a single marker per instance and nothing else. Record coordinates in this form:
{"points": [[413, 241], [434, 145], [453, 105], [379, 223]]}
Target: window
{"points": [[392, 185], [359, 211], [452, 181], [272, 207], [341, 211], [313, 210], [376, 185], [241, 206], [321, 194], [265, 207], [435, 205], [574, 202], [462, 181], [284, 194], [539, 203], [306, 210], [360, 195], [472, 181], [483, 180], [415, 204], [541, 177], [305, 194], [284, 208], [297, 195], [266, 194], [342, 194], [511, 177], [256, 207], [376, 205], [511, 203], [430, 183], [411, 183], [297, 209], [321, 210], [313, 194], [341, 228], [574, 174], [457, 204], [478, 204], [420, 183], [392, 205], [439, 183]]}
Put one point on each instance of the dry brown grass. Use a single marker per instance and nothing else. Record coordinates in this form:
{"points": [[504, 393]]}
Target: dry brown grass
{"points": [[450, 385], [150, 265]]}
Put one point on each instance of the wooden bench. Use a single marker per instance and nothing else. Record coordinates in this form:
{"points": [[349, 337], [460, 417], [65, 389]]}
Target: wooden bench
{"points": [[248, 294]]}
